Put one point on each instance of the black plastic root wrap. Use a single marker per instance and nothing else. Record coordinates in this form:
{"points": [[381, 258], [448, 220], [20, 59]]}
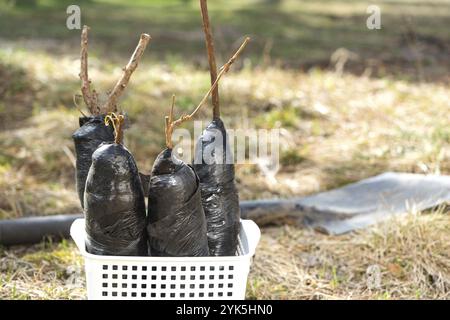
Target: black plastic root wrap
{"points": [[219, 194], [87, 138], [114, 204], [177, 225]]}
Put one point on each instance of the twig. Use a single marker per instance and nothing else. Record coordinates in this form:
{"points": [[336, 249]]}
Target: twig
{"points": [[169, 127], [111, 103], [171, 109], [75, 96], [168, 132], [95, 101], [211, 57], [91, 97], [224, 69], [170, 124], [85, 83]]}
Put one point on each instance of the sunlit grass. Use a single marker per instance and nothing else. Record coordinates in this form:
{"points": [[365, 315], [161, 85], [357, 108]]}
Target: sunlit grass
{"points": [[411, 254]]}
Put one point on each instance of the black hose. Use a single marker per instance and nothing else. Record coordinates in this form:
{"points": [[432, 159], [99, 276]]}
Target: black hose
{"points": [[31, 230]]}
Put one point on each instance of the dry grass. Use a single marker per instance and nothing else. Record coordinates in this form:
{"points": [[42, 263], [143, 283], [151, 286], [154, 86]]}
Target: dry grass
{"points": [[45, 271], [405, 258]]}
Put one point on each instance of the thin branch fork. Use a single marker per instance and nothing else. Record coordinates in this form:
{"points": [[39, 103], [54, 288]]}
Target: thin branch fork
{"points": [[171, 124], [91, 97], [211, 57], [111, 103]]}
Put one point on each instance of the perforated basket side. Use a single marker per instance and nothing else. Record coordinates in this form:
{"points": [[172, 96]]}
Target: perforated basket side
{"points": [[190, 280], [110, 277]]}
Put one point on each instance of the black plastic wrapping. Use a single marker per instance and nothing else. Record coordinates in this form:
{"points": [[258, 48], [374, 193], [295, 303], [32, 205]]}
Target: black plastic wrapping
{"points": [[87, 138], [114, 204], [219, 194], [177, 225]]}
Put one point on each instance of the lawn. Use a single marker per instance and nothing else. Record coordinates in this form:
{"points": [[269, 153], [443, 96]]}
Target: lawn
{"points": [[386, 110]]}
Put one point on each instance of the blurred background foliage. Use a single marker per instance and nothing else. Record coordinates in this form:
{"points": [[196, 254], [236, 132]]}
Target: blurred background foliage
{"points": [[291, 33]]}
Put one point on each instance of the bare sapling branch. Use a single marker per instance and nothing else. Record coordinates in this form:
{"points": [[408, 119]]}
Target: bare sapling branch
{"points": [[95, 101], [171, 124], [74, 98], [111, 104], [224, 69], [211, 57], [171, 109], [85, 82], [168, 125]]}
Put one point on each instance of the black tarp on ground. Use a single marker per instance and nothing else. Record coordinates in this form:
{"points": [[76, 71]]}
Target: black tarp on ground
{"points": [[177, 225], [356, 205], [114, 204]]}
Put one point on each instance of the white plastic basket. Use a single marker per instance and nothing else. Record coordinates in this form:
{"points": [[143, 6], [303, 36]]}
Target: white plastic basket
{"points": [[154, 278]]}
